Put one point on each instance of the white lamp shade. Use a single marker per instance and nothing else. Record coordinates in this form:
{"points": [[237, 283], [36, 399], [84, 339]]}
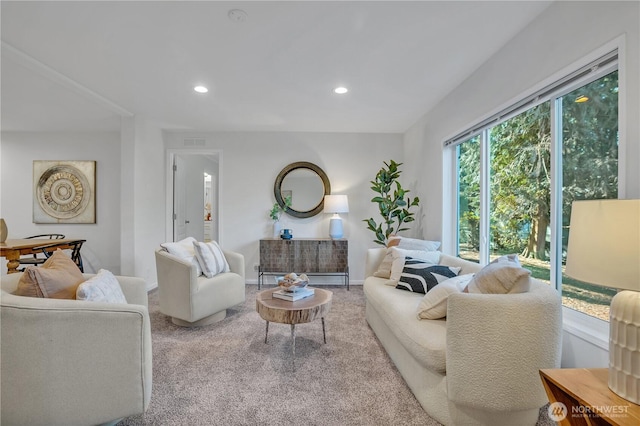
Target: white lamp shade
{"points": [[336, 204], [604, 248], [604, 243]]}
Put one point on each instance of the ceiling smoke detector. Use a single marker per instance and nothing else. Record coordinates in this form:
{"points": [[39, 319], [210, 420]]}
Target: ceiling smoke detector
{"points": [[237, 15]]}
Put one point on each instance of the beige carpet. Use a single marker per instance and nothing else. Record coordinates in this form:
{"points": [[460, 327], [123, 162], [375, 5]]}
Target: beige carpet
{"points": [[224, 374]]}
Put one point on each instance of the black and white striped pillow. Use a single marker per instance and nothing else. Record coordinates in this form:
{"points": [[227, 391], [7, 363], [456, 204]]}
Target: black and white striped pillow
{"points": [[420, 277]]}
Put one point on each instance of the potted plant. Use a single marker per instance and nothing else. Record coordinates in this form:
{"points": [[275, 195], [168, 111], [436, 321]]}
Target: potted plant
{"points": [[276, 213], [392, 202]]}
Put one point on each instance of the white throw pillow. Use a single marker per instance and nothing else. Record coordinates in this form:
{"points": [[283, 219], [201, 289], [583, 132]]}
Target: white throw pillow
{"points": [[502, 276], [103, 287], [183, 249], [413, 244], [399, 255], [434, 304], [385, 267], [211, 258]]}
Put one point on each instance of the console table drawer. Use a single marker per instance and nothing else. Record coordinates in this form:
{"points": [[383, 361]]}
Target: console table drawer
{"points": [[276, 255], [333, 256]]}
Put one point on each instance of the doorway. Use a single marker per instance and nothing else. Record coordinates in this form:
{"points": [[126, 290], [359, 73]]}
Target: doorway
{"points": [[193, 195]]}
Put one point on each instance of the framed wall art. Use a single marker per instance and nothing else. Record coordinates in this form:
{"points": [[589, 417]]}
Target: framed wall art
{"points": [[64, 191]]}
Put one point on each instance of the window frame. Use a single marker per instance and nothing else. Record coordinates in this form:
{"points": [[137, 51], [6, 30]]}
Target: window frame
{"points": [[586, 327]]}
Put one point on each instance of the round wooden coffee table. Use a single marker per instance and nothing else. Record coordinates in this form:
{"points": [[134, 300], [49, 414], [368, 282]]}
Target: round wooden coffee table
{"points": [[298, 312]]}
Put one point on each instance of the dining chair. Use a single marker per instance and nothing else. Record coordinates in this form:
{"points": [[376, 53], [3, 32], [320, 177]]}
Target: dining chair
{"points": [[35, 260], [49, 236], [74, 246]]}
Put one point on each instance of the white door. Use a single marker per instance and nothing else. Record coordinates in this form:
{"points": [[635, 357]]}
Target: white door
{"points": [[194, 200], [189, 200], [179, 199]]}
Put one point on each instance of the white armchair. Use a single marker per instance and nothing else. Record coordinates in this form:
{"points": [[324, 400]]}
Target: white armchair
{"points": [[191, 300], [72, 362]]}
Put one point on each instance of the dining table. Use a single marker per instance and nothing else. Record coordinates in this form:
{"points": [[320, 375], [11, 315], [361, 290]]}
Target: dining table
{"points": [[13, 249]]}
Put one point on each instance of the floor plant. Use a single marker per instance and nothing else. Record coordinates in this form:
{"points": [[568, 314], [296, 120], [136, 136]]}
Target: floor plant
{"points": [[393, 203]]}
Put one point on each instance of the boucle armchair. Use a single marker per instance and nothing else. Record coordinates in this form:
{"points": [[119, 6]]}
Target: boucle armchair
{"points": [[73, 362], [194, 300]]}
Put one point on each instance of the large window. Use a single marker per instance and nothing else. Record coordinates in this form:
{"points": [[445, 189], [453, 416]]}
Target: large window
{"points": [[520, 182], [539, 160], [468, 162], [589, 123]]}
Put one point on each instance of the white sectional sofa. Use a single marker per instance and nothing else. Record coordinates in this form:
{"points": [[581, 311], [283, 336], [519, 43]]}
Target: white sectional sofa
{"points": [[479, 365]]}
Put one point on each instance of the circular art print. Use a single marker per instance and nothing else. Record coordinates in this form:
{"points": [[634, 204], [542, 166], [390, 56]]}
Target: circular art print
{"points": [[64, 192]]}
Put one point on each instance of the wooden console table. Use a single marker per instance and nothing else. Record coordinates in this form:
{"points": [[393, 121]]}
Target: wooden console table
{"points": [[309, 256], [586, 395]]}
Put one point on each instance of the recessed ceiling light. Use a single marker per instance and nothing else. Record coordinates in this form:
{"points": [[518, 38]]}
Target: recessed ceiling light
{"points": [[341, 90], [201, 89]]}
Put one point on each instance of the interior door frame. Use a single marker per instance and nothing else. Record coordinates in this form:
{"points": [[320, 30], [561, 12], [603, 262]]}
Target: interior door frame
{"points": [[179, 198], [170, 157]]}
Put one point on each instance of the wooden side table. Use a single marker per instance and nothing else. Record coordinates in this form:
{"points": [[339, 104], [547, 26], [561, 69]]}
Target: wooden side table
{"points": [[587, 398], [298, 312]]}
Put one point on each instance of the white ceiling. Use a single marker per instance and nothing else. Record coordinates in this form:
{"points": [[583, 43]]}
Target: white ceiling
{"points": [[79, 66]]}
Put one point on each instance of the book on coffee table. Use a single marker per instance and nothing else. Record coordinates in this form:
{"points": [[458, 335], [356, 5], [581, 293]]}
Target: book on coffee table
{"points": [[292, 296]]}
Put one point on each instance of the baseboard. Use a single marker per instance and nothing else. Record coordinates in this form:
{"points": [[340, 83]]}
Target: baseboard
{"points": [[153, 286]]}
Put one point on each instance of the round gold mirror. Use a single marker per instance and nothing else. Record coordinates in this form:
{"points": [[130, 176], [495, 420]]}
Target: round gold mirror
{"points": [[306, 184]]}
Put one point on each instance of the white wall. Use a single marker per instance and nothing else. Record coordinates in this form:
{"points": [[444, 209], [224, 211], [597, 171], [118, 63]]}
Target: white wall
{"points": [[149, 197], [131, 188], [19, 149], [250, 163], [565, 33]]}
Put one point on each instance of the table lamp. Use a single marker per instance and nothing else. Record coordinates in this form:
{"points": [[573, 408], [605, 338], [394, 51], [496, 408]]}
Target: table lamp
{"points": [[604, 249], [336, 204]]}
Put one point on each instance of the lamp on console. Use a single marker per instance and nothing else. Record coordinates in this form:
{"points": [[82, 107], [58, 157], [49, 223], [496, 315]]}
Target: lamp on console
{"points": [[604, 249], [336, 204]]}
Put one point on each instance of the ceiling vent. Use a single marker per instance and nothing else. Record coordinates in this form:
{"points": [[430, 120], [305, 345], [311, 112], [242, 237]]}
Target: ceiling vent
{"points": [[194, 142]]}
